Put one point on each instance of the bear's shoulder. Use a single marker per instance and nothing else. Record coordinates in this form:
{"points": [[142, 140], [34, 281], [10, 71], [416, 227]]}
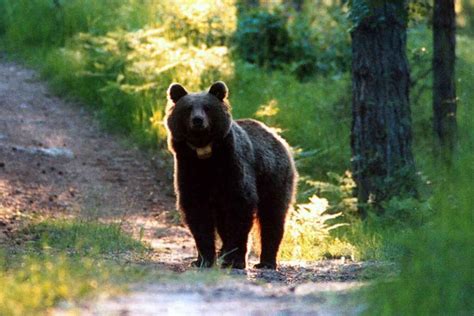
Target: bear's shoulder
{"points": [[257, 129]]}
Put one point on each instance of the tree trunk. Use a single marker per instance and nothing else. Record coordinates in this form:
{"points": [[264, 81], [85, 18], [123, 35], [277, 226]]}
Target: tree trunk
{"points": [[382, 160], [444, 86]]}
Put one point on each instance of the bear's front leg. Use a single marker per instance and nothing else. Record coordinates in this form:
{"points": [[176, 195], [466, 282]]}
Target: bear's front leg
{"points": [[203, 231], [233, 226]]}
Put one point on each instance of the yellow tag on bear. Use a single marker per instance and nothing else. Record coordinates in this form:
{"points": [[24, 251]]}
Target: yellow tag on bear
{"points": [[204, 152]]}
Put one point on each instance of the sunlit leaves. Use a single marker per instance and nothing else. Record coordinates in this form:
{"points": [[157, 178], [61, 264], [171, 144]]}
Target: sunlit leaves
{"points": [[308, 230]]}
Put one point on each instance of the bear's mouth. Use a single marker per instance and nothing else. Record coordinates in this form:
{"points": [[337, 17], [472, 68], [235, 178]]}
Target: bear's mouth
{"points": [[199, 138]]}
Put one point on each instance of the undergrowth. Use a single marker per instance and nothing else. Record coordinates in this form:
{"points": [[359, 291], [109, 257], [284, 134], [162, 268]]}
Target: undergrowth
{"points": [[65, 261], [308, 233], [436, 260]]}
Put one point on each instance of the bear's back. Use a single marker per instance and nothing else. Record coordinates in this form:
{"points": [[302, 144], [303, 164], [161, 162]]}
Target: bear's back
{"points": [[272, 154]]}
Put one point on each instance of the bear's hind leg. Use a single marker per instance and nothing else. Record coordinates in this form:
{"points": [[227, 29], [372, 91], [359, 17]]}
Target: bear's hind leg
{"points": [[271, 219]]}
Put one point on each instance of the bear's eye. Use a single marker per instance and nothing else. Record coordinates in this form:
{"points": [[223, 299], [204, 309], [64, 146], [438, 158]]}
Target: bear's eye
{"points": [[207, 107]]}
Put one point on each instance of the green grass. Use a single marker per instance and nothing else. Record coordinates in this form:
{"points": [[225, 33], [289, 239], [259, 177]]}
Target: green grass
{"points": [[33, 23], [436, 263], [83, 237], [65, 261], [34, 283]]}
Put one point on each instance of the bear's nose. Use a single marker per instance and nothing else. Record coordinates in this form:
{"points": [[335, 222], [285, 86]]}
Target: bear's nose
{"points": [[198, 121]]}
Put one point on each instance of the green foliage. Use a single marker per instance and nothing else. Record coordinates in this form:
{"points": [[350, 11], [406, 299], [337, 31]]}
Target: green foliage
{"points": [[209, 23], [435, 259], [436, 266], [372, 13], [320, 41], [338, 190], [121, 72], [311, 42], [129, 73], [120, 59], [465, 17], [3, 22], [359, 9], [123, 76], [262, 38], [50, 23], [403, 212], [308, 233], [419, 11]]}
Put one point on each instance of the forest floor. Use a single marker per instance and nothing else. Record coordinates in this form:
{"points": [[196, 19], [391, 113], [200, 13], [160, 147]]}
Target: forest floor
{"points": [[56, 162]]}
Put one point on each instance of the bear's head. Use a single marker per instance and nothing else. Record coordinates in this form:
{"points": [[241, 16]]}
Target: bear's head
{"points": [[199, 119]]}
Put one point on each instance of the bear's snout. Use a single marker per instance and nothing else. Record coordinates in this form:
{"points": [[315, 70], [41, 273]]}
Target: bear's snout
{"points": [[199, 120]]}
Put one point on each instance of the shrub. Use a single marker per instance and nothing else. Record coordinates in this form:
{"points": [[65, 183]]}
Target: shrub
{"points": [[210, 22], [308, 236], [120, 56], [262, 38], [124, 75], [301, 42], [436, 264], [321, 41]]}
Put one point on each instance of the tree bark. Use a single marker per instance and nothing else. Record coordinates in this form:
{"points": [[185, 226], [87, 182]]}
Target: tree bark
{"points": [[382, 160], [444, 85]]}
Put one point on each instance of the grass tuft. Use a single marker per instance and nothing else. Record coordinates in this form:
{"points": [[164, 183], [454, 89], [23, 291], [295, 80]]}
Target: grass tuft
{"points": [[82, 237], [65, 261]]}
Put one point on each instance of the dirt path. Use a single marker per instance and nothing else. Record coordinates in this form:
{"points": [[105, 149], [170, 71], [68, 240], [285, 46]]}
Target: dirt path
{"points": [[56, 161]]}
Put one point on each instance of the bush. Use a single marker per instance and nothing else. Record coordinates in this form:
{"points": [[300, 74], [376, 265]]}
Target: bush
{"points": [[120, 56], [262, 38], [308, 236], [321, 41], [124, 75], [436, 266], [209, 23], [301, 42]]}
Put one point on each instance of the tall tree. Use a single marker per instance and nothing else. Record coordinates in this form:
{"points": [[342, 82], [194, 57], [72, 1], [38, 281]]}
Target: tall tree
{"points": [[444, 86], [382, 160]]}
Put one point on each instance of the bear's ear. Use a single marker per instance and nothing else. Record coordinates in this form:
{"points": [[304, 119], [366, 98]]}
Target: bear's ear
{"points": [[219, 89], [176, 92]]}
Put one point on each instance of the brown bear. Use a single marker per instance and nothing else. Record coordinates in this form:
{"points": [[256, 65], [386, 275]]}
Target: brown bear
{"points": [[228, 173]]}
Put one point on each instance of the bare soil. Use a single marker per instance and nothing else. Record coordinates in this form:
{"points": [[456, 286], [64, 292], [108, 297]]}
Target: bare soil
{"points": [[56, 161]]}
